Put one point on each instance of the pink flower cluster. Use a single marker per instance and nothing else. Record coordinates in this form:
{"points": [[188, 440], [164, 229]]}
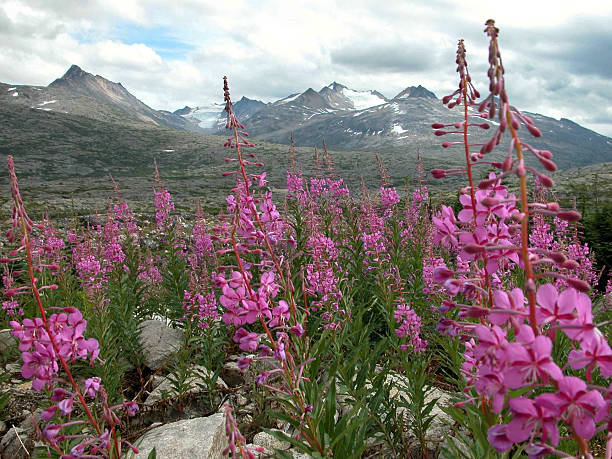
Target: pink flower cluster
{"points": [[509, 330], [40, 354]]}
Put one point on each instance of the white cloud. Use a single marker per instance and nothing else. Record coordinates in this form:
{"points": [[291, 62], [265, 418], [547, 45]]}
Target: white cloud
{"points": [[271, 48]]}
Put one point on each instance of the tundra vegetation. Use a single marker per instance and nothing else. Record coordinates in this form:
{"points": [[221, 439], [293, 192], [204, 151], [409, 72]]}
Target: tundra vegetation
{"points": [[347, 308]]}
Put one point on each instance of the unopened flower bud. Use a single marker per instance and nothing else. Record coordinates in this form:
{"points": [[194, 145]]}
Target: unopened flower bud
{"points": [[570, 264], [507, 165], [546, 181], [490, 201], [439, 133], [546, 154], [530, 285], [557, 257], [473, 248], [438, 173], [520, 170], [569, 215], [548, 164], [554, 206], [534, 131], [440, 275], [579, 285], [486, 184]]}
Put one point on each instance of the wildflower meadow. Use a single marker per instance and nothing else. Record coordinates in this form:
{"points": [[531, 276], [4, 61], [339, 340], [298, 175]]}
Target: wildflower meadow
{"points": [[357, 323]]}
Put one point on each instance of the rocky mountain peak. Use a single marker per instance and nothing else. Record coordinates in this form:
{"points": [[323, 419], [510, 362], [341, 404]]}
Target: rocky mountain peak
{"points": [[186, 110], [75, 72], [415, 91]]}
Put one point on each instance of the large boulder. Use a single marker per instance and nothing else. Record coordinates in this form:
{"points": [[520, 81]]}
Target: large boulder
{"points": [[199, 438], [158, 342]]}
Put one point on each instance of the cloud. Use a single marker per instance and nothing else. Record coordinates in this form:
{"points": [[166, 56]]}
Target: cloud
{"points": [[396, 57], [169, 55]]}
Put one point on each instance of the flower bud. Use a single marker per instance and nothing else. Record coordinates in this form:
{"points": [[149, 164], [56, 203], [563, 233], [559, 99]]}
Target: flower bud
{"points": [[440, 275], [546, 181], [554, 206], [507, 165], [569, 215], [474, 248], [557, 257], [439, 133], [486, 184], [438, 173], [579, 285], [546, 154], [534, 131], [570, 264], [490, 201], [548, 164]]}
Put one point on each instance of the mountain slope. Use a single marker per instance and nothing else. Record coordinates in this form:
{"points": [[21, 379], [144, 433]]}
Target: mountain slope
{"points": [[81, 93]]}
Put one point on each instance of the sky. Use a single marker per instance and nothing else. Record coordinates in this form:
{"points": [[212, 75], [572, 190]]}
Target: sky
{"points": [[169, 54]]}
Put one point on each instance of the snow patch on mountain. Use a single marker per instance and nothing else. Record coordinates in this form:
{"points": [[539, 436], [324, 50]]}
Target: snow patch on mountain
{"points": [[362, 99], [287, 99], [397, 129], [206, 115]]}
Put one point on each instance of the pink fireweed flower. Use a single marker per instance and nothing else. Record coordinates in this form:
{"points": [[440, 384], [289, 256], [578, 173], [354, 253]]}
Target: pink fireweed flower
{"points": [[92, 386], [409, 327], [490, 383], [446, 228], [595, 350], [389, 197], [554, 307], [498, 437], [248, 340], [576, 405], [529, 360], [492, 344], [513, 302], [533, 418]]}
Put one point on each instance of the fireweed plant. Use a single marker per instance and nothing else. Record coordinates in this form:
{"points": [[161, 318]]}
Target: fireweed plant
{"points": [[53, 341], [331, 302], [517, 299]]}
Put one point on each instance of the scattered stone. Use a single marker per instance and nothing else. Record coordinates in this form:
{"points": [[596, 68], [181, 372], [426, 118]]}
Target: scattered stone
{"points": [[13, 368], [158, 342], [7, 341], [270, 442], [199, 438], [165, 386], [233, 375], [16, 444]]}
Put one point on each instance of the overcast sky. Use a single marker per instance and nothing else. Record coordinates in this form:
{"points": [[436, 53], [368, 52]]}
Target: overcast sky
{"points": [[169, 54]]}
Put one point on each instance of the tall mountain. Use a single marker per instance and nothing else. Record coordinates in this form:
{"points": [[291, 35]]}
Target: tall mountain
{"points": [[81, 93]]}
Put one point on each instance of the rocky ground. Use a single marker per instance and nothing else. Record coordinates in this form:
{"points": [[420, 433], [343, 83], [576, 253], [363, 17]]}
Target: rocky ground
{"points": [[195, 429]]}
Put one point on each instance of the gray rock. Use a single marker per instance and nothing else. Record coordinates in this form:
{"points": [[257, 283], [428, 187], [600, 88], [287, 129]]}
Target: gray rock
{"points": [[158, 342], [13, 368], [233, 375], [199, 438], [270, 442], [7, 341], [165, 386], [16, 444]]}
